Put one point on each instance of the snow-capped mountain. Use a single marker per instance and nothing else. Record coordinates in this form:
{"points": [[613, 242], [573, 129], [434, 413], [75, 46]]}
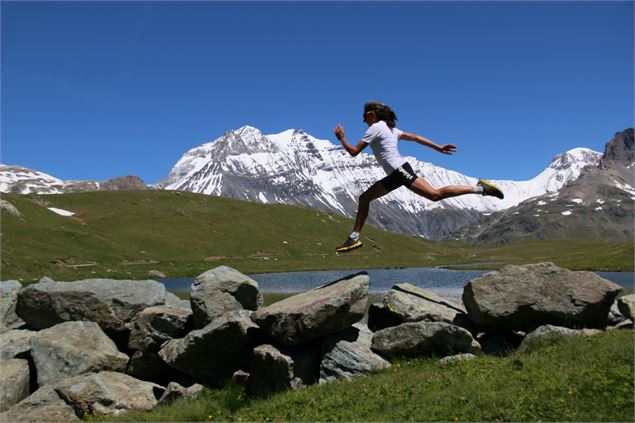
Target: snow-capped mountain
{"points": [[293, 167], [596, 205]]}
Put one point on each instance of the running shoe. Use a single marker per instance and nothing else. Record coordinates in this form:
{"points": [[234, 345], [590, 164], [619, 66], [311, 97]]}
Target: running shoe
{"points": [[490, 189], [349, 245]]}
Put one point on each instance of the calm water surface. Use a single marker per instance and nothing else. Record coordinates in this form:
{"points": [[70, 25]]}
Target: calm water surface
{"points": [[441, 281]]}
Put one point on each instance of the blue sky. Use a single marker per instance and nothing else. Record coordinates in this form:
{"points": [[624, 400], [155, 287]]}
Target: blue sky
{"points": [[94, 90]]}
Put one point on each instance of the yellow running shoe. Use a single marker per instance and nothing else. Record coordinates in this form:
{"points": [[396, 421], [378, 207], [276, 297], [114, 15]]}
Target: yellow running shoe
{"points": [[349, 245], [490, 189]]}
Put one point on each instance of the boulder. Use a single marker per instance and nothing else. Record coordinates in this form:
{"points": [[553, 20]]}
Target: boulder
{"points": [[550, 331], [278, 369], [14, 382], [156, 274], [113, 304], [408, 303], [316, 313], [108, 393], [15, 343], [220, 290], [158, 324], [8, 298], [423, 339], [615, 315], [74, 348], [214, 352], [524, 297], [43, 405], [626, 305], [174, 391], [347, 354], [457, 358]]}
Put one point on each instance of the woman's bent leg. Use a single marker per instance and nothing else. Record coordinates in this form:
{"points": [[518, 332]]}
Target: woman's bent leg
{"points": [[423, 188]]}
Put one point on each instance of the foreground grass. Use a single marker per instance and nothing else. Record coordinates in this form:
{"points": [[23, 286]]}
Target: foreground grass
{"points": [[124, 234], [566, 379]]}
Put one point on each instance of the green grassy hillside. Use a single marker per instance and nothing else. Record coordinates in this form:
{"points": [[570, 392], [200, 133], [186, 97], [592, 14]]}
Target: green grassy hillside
{"points": [[562, 379], [124, 234]]}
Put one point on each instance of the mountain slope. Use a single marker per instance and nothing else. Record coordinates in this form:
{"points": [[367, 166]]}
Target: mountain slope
{"points": [[295, 168]]}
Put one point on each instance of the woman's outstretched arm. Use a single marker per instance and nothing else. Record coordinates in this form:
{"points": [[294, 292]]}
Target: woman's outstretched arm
{"points": [[445, 148]]}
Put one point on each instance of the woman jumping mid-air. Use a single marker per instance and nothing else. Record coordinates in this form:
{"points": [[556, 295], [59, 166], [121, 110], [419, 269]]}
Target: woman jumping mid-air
{"points": [[383, 136]]}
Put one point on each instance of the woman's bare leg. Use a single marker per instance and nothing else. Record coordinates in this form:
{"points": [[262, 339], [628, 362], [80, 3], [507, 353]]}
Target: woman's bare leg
{"points": [[376, 191], [423, 188]]}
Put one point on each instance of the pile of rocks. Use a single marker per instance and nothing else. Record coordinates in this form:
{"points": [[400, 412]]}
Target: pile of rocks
{"points": [[70, 349]]}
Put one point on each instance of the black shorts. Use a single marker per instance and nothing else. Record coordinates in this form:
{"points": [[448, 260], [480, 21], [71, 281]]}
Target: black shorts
{"points": [[402, 176]]}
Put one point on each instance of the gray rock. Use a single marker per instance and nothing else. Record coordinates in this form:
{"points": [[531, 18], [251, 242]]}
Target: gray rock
{"points": [[15, 343], [347, 354], [108, 393], [156, 274], [423, 339], [9, 208], [220, 290], [74, 348], [523, 297], [43, 405], [174, 391], [214, 352], [409, 303], [158, 324], [8, 298], [457, 358], [271, 372], [14, 382], [615, 315], [316, 313], [626, 324], [626, 305], [172, 300], [550, 331], [112, 304]]}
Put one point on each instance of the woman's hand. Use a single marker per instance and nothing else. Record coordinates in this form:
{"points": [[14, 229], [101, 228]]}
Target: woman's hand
{"points": [[447, 149], [339, 132]]}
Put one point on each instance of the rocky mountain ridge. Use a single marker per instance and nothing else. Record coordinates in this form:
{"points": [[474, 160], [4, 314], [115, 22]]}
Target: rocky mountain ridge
{"points": [[21, 180], [596, 205]]}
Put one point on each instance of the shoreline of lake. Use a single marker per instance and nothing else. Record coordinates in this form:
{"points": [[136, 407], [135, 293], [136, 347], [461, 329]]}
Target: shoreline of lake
{"points": [[448, 283]]}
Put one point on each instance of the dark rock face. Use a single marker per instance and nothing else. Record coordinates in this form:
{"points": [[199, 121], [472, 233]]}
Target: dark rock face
{"points": [[619, 149], [524, 297]]}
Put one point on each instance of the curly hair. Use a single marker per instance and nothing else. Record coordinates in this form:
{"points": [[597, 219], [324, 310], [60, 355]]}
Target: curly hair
{"points": [[382, 112]]}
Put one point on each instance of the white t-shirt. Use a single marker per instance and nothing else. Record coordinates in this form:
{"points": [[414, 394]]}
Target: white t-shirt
{"points": [[383, 141]]}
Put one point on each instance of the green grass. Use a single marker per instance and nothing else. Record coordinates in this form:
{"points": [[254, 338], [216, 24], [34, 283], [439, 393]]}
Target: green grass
{"points": [[564, 379], [124, 234]]}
